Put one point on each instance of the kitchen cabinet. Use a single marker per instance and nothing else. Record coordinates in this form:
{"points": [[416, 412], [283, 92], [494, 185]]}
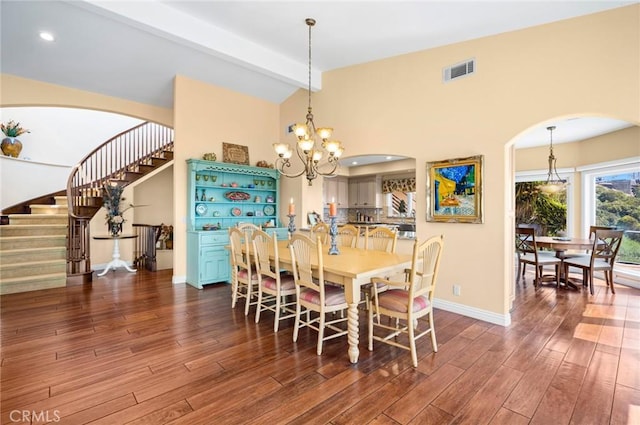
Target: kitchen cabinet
{"points": [[336, 188], [365, 192], [219, 196]]}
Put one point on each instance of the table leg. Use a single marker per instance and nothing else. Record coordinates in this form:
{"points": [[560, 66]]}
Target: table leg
{"points": [[564, 279], [352, 316], [116, 261], [352, 293]]}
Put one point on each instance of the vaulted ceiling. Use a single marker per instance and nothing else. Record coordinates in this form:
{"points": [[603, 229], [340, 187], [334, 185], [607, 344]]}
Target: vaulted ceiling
{"points": [[133, 49]]}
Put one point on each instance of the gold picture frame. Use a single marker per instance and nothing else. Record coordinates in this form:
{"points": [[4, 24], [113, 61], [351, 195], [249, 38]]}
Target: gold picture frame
{"points": [[235, 154], [454, 190]]}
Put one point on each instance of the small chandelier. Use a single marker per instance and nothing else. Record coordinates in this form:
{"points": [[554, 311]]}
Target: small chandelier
{"points": [[310, 153], [554, 183]]}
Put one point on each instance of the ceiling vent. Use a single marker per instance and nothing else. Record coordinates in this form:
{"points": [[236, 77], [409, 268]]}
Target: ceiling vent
{"points": [[459, 70]]}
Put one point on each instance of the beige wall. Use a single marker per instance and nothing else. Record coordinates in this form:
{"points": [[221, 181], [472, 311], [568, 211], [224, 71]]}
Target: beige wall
{"points": [[583, 66], [609, 147], [16, 91], [206, 116]]}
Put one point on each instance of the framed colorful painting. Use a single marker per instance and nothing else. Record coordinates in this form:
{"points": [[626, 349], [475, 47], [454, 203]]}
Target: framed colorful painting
{"points": [[454, 190]]}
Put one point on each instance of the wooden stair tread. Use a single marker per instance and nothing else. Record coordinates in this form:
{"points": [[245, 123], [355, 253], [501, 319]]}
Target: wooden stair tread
{"points": [[44, 226], [12, 238], [31, 263], [33, 277], [27, 250], [38, 215]]}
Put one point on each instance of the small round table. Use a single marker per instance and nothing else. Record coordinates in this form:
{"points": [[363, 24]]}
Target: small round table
{"points": [[116, 261]]}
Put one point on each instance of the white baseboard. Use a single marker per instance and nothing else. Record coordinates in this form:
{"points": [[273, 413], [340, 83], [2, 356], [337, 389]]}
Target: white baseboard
{"points": [[178, 279], [476, 313]]}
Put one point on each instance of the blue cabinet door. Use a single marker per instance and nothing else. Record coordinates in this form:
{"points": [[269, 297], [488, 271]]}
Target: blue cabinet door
{"points": [[214, 265]]}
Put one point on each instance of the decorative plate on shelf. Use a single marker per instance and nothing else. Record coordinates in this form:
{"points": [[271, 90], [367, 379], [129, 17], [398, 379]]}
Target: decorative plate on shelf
{"points": [[269, 210], [236, 212], [237, 196], [201, 209]]}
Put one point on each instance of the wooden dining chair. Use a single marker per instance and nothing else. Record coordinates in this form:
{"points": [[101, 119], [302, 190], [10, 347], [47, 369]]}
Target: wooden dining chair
{"points": [[408, 301], [312, 295], [274, 285], [348, 235], [378, 239], [322, 230], [528, 253], [592, 234], [522, 267], [244, 282], [606, 244], [248, 228]]}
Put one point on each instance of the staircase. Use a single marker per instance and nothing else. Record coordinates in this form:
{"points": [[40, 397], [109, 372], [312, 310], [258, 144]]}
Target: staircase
{"points": [[28, 240], [33, 249]]}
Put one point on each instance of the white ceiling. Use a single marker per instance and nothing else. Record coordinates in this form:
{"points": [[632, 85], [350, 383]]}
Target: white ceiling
{"points": [[133, 49]]}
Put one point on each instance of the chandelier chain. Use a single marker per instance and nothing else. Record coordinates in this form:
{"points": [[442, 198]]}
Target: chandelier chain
{"points": [[312, 142]]}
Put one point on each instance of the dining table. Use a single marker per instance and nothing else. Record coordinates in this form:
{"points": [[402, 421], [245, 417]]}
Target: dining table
{"points": [[561, 245], [352, 268]]}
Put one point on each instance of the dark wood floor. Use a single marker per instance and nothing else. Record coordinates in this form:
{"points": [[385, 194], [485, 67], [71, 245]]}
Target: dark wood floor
{"points": [[135, 349]]}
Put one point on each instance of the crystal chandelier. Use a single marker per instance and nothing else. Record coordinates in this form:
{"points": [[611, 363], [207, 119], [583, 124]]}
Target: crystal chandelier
{"points": [[554, 183], [308, 150]]}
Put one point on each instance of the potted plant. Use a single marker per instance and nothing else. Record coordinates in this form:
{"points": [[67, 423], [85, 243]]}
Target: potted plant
{"points": [[10, 145], [112, 196]]}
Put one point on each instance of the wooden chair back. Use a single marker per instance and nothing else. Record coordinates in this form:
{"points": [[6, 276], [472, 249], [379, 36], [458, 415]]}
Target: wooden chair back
{"points": [[238, 242], [526, 241], [380, 239], [303, 251], [424, 268], [322, 230], [606, 245], [263, 243], [348, 235], [248, 228]]}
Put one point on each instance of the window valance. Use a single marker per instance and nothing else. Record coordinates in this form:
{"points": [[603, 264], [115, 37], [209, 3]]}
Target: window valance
{"points": [[399, 185]]}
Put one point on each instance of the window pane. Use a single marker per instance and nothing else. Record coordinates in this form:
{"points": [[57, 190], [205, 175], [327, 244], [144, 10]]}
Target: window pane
{"points": [[549, 211], [618, 204]]}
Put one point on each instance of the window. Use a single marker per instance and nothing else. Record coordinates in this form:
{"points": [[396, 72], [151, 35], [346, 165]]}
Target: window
{"points": [[550, 225], [611, 197]]}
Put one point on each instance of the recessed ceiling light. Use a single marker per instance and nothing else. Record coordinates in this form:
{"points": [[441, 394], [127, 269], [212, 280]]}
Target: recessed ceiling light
{"points": [[388, 158], [47, 36], [354, 163]]}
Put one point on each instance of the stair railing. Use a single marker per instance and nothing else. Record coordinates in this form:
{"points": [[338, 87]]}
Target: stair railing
{"points": [[123, 158], [144, 254]]}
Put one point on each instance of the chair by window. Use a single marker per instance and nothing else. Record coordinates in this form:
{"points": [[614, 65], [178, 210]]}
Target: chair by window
{"points": [[528, 253], [606, 244], [538, 232], [322, 230], [407, 302], [274, 286], [348, 235], [592, 234], [312, 295], [244, 283]]}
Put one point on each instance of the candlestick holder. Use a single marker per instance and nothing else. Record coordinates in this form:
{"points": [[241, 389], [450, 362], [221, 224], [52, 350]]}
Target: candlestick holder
{"points": [[333, 232], [292, 224]]}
